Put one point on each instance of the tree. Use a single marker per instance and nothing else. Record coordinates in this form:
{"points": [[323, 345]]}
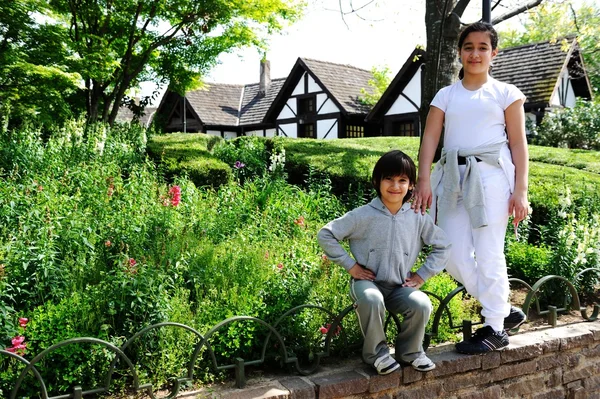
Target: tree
{"points": [[34, 82], [554, 21], [114, 45], [380, 82]]}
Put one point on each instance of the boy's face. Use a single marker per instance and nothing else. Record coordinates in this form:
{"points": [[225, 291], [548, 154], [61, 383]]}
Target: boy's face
{"points": [[393, 189]]}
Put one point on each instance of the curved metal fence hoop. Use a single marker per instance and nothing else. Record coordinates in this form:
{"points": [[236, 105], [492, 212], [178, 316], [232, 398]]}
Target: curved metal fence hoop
{"points": [[572, 291], [36, 373], [82, 340], [443, 306], [224, 323], [179, 380], [428, 335], [328, 336], [596, 311], [529, 289]]}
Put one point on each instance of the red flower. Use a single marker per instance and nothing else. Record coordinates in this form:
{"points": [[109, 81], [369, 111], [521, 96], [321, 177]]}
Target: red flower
{"points": [[175, 194], [132, 262], [18, 340], [280, 265], [23, 321], [324, 330], [107, 243]]}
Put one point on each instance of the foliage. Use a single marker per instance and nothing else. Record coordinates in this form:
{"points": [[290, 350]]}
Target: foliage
{"points": [[377, 86], [556, 20], [116, 45], [576, 127], [35, 82]]}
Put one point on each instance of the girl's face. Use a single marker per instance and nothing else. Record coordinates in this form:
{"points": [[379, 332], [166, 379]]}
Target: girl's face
{"points": [[476, 53]]}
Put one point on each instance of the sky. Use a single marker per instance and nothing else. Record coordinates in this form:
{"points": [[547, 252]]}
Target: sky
{"points": [[382, 34]]}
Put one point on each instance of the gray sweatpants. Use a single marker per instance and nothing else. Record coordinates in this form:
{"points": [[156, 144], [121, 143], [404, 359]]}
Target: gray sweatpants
{"points": [[412, 305]]}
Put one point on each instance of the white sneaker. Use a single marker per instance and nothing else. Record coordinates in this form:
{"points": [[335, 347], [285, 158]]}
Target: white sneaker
{"points": [[422, 363], [385, 365]]}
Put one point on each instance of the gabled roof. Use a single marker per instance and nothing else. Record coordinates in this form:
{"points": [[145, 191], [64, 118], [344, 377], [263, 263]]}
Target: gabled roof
{"points": [[126, 115], [535, 69], [216, 103], [220, 104], [254, 107], [396, 86], [342, 82]]}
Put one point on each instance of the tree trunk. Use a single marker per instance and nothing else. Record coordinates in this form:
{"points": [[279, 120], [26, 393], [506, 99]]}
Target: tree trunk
{"points": [[441, 68]]}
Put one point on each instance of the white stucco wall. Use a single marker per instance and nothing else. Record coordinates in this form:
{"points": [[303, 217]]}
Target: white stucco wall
{"points": [[299, 89], [287, 112], [213, 133], [270, 133], [412, 91], [329, 105], [323, 127], [230, 135], [290, 130], [313, 86], [570, 100], [258, 133]]}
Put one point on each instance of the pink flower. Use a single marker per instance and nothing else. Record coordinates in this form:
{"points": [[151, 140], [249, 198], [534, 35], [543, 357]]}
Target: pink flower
{"points": [[324, 257], [23, 321], [107, 243], [280, 265], [175, 194], [239, 165], [324, 330], [132, 262], [18, 340]]}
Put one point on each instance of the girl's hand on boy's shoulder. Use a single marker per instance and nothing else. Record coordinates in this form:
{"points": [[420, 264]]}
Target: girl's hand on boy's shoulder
{"points": [[422, 196], [413, 280], [359, 272]]}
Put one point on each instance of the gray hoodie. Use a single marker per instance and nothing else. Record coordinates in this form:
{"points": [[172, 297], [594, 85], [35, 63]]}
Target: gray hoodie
{"points": [[386, 244]]}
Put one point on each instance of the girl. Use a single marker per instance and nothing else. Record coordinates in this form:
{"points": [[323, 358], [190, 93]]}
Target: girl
{"points": [[480, 179]]}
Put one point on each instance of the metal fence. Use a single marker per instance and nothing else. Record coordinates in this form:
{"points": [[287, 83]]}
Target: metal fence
{"points": [[571, 302]]}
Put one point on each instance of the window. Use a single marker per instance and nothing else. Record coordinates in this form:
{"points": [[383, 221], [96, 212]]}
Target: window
{"points": [[354, 131], [404, 128], [306, 106], [307, 130]]}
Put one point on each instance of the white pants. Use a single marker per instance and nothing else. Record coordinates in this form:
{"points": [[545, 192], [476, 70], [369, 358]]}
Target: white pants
{"points": [[477, 255]]}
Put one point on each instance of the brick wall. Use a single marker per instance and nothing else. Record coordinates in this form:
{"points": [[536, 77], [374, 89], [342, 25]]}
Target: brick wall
{"points": [[550, 363]]}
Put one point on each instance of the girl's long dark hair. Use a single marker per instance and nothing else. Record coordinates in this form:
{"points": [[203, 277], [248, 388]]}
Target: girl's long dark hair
{"points": [[477, 27]]}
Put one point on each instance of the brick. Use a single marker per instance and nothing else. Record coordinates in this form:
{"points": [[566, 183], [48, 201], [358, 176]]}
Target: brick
{"points": [[513, 370], [576, 341], [555, 378], [378, 383], [410, 375], [340, 384], [448, 363], [425, 391], [551, 346], [521, 353], [491, 360], [577, 393], [575, 385], [494, 392], [526, 386], [593, 351], [268, 391], [466, 380], [577, 374], [592, 383], [299, 387], [595, 330], [550, 362], [552, 394]]}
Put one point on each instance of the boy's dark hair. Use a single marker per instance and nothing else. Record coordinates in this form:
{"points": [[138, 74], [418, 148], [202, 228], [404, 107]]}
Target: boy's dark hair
{"points": [[394, 163], [477, 27]]}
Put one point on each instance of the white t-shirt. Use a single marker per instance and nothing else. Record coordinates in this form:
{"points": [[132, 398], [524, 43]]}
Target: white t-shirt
{"points": [[475, 118]]}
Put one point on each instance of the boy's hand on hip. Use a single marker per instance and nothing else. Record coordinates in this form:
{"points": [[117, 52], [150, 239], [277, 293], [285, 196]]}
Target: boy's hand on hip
{"points": [[413, 280], [360, 273]]}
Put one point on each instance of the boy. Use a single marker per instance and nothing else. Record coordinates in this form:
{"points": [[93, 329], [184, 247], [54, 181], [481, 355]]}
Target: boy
{"points": [[385, 239]]}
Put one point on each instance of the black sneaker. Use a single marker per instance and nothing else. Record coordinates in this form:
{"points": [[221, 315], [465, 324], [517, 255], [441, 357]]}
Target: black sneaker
{"points": [[514, 319], [484, 340]]}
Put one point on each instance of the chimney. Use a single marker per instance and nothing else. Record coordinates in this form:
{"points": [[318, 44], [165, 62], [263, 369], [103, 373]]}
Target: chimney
{"points": [[265, 77]]}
